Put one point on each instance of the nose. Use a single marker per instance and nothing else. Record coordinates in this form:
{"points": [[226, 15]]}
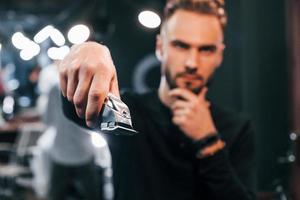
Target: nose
{"points": [[191, 64], [190, 69]]}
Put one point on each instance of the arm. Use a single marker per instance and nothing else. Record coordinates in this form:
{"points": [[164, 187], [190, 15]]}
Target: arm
{"points": [[221, 175], [231, 175], [242, 157], [87, 74]]}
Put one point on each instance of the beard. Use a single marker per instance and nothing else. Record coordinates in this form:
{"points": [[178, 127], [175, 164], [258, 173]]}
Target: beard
{"points": [[187, 84]]}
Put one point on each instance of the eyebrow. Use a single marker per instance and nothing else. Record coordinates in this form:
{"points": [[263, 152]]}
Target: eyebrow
{"points": [[210, 47], [205, 47], [180, 43]]}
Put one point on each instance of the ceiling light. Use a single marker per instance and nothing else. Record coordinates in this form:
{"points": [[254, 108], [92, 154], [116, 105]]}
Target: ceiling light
{"points": [[32, 49], [149, 19], [26, 55], [57, 37], [43, 34], [8, 105], [58, 53], [78, 34], [20, 41]]}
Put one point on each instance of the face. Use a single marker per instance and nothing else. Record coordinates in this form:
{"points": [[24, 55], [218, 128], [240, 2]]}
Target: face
{"points": [[190, 49]]}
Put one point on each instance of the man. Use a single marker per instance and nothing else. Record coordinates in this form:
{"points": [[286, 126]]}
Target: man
{"points": [[180, 151]]}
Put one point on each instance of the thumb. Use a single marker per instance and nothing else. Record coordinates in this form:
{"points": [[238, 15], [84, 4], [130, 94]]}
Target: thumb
{"points": [[202, 94]]}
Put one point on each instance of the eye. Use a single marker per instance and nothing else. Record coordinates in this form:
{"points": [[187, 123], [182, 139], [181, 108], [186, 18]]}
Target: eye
{"points": [[180, 45], [209, 49]]}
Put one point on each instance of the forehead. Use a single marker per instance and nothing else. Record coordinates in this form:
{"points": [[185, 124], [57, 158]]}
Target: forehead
{"points": [[193, 27]]}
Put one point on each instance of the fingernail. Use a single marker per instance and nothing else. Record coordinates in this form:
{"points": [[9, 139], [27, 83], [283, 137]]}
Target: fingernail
{"points": [[90, 124], [80, 114], [69, 99]]}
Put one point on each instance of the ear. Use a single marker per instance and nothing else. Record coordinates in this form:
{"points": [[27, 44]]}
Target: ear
{"points": [[158, 48]]}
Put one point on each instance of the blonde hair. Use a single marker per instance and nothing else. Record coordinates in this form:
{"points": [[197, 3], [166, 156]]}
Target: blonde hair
{"points": [[209, 7]]}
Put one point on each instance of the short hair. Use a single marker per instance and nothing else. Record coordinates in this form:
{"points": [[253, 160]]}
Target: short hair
{"points": [[209, 7]]}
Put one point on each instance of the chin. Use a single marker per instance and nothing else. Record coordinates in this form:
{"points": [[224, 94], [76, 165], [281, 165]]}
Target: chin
{"points": [[195, 90]]}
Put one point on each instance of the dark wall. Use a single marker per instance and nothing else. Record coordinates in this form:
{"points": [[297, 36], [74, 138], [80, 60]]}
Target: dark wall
{"points": [[253, 78], [265, 81], [130, 41]]}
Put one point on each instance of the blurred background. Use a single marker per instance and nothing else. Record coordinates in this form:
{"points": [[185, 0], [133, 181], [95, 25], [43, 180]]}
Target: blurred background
{"points": [[260, 75]]}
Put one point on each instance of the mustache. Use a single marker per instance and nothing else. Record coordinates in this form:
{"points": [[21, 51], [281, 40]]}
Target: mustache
{"points": [[196, 76], [188, 71]]}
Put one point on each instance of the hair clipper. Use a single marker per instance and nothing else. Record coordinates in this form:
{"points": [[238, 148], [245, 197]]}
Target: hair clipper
{"points": [[114, 115]]}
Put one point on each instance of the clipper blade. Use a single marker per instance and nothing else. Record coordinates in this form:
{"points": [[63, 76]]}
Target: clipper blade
{"points": [[115, 114]]}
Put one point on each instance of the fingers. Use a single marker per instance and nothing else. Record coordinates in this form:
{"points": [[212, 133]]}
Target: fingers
{"points": [[63, 78], [182, 116], [184, 94], [191, 112], [202, 97], [98, 92], [202, 94], [179, 104], [81, 93], [179, 120], [181, 111], [63, 81], [72, 82], [64, 67], [185, 98], [187, 104], [189, 96], [114, 87]]}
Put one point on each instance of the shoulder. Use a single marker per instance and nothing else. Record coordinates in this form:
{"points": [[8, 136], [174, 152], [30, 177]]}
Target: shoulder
{"points": [[226, 116], [139, 106], [132, 98]]}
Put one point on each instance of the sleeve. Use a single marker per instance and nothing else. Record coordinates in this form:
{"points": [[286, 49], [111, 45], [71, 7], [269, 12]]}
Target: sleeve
{"points": [[243, 158], [230, 173]]}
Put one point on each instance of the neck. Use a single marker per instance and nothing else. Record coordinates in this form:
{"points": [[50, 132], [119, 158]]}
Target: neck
{"points": [[163, 92]]}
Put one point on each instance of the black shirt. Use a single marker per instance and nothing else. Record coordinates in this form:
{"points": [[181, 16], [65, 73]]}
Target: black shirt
{"points": [[158, 163]]}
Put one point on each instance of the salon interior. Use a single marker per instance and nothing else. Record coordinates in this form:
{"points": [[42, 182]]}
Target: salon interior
{"points": [[260, 76]]}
